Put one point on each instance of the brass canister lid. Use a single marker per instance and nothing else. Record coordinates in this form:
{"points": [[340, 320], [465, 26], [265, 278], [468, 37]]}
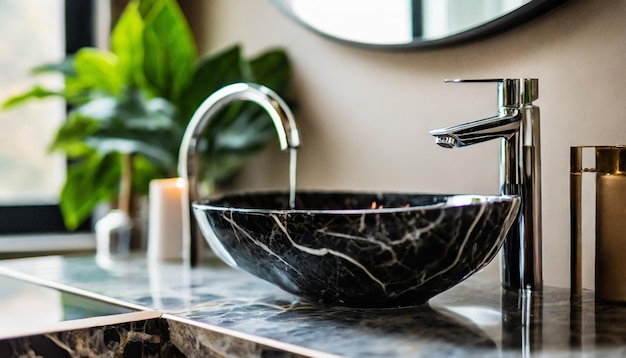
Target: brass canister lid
{"points": [[611, 159]]}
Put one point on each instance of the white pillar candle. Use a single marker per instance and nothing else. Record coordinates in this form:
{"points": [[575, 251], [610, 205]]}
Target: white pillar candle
{"points": [[165, 231]]}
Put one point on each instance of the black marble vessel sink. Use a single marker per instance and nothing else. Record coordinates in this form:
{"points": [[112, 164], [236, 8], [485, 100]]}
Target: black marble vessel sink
{"points": [[358, 249]]}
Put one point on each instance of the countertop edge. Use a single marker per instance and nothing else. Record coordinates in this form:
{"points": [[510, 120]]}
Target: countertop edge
{"points": [[143, 313]]}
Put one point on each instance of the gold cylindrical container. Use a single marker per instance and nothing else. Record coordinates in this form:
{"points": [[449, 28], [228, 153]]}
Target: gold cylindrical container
{"points": [[610, 230], [610, 265]]}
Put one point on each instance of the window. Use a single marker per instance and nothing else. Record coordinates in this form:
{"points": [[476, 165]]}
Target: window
{"points": [[28, 173], [35, 32]]}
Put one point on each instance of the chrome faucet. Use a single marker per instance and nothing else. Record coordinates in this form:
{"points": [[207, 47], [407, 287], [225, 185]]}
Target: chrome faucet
{"points": [[517, 123], [188, 166]]}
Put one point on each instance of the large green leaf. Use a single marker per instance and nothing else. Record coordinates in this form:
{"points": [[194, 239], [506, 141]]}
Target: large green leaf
{"points": [[272, 69], [169, 49], [153, 153], [250, 131], [132, 111], [96, 72], [212, 73], [65, 67], [33, 93], [145, 6], [132, 125], [89, 182], [70, 137], [127, 44]]}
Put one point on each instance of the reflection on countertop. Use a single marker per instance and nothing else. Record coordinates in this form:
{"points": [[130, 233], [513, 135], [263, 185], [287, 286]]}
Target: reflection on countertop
{"points": [[475, 318], [26, 307]]}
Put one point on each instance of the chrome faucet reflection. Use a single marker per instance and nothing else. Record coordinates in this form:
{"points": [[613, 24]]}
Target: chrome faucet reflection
{"points": [[188, 166], [517, 123]]}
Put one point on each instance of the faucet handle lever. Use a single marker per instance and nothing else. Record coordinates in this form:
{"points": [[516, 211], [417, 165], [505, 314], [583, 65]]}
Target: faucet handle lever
{"points": [[512, 92], [477, 80]]}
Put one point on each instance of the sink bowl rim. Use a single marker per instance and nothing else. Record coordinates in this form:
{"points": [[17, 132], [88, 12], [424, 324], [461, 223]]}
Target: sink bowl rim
{"points": [[463, 201]]}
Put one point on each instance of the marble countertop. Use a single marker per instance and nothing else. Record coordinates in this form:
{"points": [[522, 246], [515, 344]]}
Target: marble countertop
{"points": [[26, 307], [476, 318]]}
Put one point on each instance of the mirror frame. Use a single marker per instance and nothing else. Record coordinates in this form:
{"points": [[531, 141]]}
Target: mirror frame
{"points": [[505, 22]]}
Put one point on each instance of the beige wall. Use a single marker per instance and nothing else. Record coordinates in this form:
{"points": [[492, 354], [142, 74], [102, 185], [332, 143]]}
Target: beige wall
{"points": [[365, 114]]}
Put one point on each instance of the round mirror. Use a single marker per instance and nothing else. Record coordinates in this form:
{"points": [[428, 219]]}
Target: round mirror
{"points": [[411, 23]]}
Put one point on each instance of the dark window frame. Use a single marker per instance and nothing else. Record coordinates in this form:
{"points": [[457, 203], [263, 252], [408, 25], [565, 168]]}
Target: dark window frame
{"points": [[43, 218]]}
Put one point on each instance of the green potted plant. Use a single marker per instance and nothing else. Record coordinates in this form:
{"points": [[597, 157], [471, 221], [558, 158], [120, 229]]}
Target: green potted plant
{"points": [[130, 106]]}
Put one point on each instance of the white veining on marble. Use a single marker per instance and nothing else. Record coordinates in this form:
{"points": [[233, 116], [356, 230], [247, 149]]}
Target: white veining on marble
{"points": [[239, 230], [325, 251], [464, 242]]}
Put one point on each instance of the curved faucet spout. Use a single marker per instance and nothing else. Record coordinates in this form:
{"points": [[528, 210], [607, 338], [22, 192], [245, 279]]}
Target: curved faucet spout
{"points": [[188, 167], [279, 112], [501, 126]]}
